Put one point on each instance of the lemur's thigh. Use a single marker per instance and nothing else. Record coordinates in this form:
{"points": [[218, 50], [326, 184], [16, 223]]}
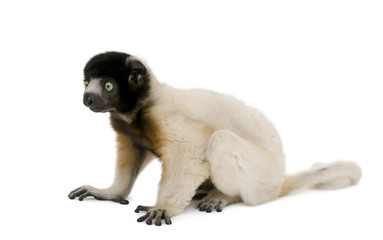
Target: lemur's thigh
{"points": [[240, 168]]}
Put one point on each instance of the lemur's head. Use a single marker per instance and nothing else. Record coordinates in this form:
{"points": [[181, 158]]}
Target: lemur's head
{"points": [[115, 81]]}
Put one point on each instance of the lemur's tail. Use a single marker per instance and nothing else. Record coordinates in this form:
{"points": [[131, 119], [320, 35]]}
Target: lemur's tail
{"points": [[335, 175]]}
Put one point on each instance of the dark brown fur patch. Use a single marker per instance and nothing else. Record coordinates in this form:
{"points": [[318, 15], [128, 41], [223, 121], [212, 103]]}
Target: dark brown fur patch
{"points": [[129, 158], [208, 185], [153, 131], [139, 131], [125, 150]]}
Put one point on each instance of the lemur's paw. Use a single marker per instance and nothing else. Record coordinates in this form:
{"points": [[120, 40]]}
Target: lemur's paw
{"points": [[152, 213], [215, 200], [88, 191], [208, 205]]}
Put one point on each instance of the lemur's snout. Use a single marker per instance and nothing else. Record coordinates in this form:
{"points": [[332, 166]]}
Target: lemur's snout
{"points": [[92, 100], [88, 99]]}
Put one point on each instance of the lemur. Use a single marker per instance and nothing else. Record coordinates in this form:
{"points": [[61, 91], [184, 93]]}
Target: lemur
{"points": [[206, 141]]}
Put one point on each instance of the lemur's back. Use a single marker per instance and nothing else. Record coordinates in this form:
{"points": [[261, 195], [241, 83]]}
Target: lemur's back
{"points": [[221, 111]]}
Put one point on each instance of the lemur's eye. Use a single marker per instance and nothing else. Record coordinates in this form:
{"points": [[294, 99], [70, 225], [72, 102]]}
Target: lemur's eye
{"points": [[109, 86], [86, 83]]}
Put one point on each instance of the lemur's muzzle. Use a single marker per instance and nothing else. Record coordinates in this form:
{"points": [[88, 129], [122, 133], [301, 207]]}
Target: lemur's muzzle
{"points": [[94, 102]]}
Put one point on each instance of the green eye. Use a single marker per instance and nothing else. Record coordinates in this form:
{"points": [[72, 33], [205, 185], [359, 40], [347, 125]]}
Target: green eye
{"points": [[86, 83], [109, 86]]}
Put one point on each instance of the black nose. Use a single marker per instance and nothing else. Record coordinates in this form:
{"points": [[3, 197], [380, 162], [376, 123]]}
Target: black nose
{"points": [[88, 99]]}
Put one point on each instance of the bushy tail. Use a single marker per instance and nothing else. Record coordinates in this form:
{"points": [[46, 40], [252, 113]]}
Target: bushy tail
{"points": [[335, 175]]}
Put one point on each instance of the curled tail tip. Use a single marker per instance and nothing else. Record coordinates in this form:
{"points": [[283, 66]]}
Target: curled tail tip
{"points": [[343, 168], [357, 171], [324, 176]]}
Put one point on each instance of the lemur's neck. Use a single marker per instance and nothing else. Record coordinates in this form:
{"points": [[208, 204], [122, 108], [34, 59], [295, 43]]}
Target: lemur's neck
{"points": [[141, 106], [135, 124]]}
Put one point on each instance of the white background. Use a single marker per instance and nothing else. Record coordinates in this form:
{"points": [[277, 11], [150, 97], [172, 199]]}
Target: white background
{"points": [[313, 67]]}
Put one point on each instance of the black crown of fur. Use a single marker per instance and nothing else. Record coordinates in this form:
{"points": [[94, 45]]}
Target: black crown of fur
{"points": [[111, 64]]}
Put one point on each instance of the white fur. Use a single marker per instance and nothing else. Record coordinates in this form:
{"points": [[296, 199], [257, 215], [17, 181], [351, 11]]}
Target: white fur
{"points": [[206, 135], [239, 168], [335, 175], [217, 136]]}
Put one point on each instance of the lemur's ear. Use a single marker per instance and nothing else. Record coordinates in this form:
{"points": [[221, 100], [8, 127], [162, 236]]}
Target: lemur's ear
{"points": [[137, 71]]}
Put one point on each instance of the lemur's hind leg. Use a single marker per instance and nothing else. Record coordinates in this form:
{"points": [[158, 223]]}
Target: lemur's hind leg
{"points": [[203, 190], [241, 169]]}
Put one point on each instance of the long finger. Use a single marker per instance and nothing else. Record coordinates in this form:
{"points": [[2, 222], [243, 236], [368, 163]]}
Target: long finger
{"points": [[167, 219], [157, 219], [141, 219], [79, 192], [141, 208], [84, 195], [73, 191], [150, 218]]}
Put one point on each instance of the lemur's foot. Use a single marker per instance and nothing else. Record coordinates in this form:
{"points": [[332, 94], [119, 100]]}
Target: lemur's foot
{"points": [[88, 191], [152, 213], [215, 200], [209, 205]]}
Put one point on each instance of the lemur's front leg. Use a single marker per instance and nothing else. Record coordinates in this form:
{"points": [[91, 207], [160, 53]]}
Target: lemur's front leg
{"points": [[181, 176], [130, 161]]}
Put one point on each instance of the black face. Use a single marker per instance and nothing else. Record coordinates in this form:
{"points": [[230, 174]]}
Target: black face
{"points": [[115, 82], [101, 94]]}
